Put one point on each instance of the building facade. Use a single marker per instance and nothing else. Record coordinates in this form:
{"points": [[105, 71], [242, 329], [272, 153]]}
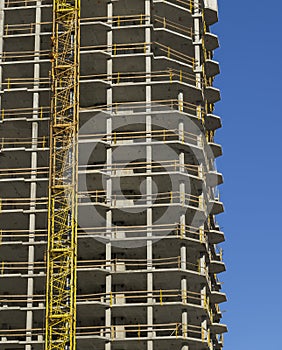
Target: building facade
{"points": [[148, 255]]}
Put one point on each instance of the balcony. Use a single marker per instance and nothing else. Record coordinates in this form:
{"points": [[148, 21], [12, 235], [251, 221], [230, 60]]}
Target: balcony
{"points": [[211, 11]]}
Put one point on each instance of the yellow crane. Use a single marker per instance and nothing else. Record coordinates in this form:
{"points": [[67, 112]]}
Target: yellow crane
{"points": [[62, 197]]}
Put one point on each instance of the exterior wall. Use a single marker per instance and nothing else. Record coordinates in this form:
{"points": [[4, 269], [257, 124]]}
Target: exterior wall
{"points": [[147, 254]]}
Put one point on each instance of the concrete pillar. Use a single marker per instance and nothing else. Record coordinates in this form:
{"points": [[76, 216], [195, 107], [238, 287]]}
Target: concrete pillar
{"points": [[184, 323], [204, 326], [181, 131], [149, 157], [109, 129], [203, 296], [202, 265], [182, 163], [108, 312], [110, 61], [33, 183], [148, 50], [1, 38], [182, 194], [109, 151], [180, 101], [183, 257], [184, 290], [197, 46]]}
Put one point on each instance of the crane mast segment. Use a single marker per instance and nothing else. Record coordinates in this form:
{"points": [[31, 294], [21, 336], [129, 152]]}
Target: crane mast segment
{"points": [[62, 197]]}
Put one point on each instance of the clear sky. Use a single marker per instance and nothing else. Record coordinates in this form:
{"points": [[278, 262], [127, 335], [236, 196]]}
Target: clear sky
{"points": [[251, 109]]}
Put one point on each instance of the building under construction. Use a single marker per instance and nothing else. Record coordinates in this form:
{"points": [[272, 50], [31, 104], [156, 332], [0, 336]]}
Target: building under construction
{"points": [[108, 183]]}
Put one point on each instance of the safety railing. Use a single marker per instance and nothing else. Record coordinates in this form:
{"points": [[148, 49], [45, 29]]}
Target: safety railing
{"points": [[159, 296], [169, 231], [114, 265], [116, 49], [164, 135], [23, 142], [173, 54], [10, 204], [120, 138], [216, 255], [115, 201], [27, 28], [186, 4], [116, 169], [132, 200], [25, 112], [25, 3], [168, 75], [154, 106], [43, 112], [165, 23], [122, 331], [24, 55], [40, 172], [115, 21], [142, 168]]}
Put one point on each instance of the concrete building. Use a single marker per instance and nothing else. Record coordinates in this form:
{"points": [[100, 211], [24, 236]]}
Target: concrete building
{"points": [[148, 260]]}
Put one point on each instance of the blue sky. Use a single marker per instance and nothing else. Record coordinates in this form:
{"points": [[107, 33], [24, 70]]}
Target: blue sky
{"points": [[251, 109]]}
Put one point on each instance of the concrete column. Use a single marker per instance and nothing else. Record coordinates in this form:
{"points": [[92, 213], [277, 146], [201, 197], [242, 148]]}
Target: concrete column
{"points": [[204, 325], [182, 161], [197, 41], [109, 129], [184, 323], [110, 60], [33, 183], [202, 265], [181, 131], [203, 296], [148, 50], [149, 158], [1, 39], [183, 257], [182, 193], [108, 312], [109, 173], [182, 225], [180, 101], [184, 289]]}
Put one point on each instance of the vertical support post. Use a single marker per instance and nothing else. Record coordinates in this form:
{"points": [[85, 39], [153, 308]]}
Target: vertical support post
{"points": [[184, 323], [149, 185], [180, 102], [109, 131], [202, 265], [197, 66], [2, 22], [33, 184], [183, 256]]}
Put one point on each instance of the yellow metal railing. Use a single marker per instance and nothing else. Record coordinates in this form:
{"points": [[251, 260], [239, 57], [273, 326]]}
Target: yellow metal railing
{"points": [[19, 267], [170, 231], [167, 330]]}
